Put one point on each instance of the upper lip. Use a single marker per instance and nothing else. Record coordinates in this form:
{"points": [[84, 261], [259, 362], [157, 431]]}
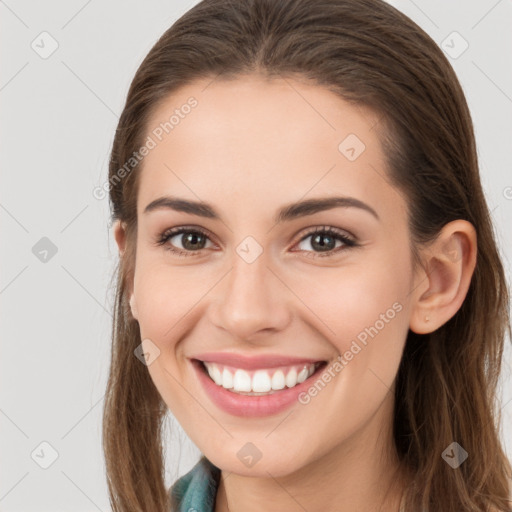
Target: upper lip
{"points": [[254, 362]]}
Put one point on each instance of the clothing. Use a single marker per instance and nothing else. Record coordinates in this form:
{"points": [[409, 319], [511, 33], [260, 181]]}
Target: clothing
{"points": [[196, 491]]}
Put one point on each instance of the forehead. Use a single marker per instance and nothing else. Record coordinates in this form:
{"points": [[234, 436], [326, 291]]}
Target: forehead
{"points": [[277, 139]]}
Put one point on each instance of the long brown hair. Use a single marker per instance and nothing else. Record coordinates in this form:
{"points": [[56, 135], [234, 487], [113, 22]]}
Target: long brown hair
{"points": [[370, 54]]}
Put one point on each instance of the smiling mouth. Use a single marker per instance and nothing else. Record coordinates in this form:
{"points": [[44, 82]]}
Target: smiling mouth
{"points": [[260, 382]]}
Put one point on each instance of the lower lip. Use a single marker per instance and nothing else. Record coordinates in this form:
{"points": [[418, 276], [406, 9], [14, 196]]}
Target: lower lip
{"points": [[251, 406]]}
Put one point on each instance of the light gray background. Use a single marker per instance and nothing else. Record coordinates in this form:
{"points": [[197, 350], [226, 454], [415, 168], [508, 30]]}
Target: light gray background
{"points": [[58, 117]]}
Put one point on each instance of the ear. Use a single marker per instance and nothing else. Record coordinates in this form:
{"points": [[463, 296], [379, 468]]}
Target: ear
{"points": [[133, 306], [118, 229], [441, 287], [119, 232]]}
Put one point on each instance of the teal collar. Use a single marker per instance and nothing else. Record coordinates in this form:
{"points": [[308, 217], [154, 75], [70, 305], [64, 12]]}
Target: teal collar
{"points": [[197, 489]]}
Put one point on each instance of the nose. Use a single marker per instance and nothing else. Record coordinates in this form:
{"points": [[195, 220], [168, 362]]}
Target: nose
{"points": [[251, 301]]}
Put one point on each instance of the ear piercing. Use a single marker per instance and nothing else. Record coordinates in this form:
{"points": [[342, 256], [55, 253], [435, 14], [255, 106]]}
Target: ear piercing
{"points": [[427, 319]]}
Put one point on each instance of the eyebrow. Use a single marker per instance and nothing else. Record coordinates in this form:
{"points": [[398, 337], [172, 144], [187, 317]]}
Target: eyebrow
{"points": [[287, 213]]}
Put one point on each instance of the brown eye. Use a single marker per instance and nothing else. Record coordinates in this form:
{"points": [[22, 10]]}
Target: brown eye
{"points": [[326, 240], [191, 240]]}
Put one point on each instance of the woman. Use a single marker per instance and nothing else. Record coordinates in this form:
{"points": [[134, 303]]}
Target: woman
{"points": [[308, 276]]}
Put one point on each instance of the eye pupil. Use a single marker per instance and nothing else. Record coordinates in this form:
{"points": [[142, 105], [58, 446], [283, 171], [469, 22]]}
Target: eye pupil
{"points": [[192, 238], [318, 239]]}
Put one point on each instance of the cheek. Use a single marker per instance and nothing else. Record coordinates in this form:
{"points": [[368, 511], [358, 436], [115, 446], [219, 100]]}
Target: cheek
{"points": [[164, 296], [347, 300], [171, 298]]}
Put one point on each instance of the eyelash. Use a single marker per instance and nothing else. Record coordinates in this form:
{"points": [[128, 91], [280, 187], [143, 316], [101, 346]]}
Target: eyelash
{"points": [[326, 230]]}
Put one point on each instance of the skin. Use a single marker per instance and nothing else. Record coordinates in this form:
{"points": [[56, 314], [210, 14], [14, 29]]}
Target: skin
{"points": [[248, 148]]}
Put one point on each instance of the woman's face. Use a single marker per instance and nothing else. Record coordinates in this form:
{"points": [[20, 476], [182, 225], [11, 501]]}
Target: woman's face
{"points": [[256, 283]]}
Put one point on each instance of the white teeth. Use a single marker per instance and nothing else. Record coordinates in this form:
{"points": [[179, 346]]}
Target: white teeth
{"points": [[291, 378], [216, 375], [261, 381], [227, 379], [278, 381], [241, 381], [303, 375]]}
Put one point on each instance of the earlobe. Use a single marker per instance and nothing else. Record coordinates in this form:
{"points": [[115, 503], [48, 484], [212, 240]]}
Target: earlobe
{"points": [[441, 287]]}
